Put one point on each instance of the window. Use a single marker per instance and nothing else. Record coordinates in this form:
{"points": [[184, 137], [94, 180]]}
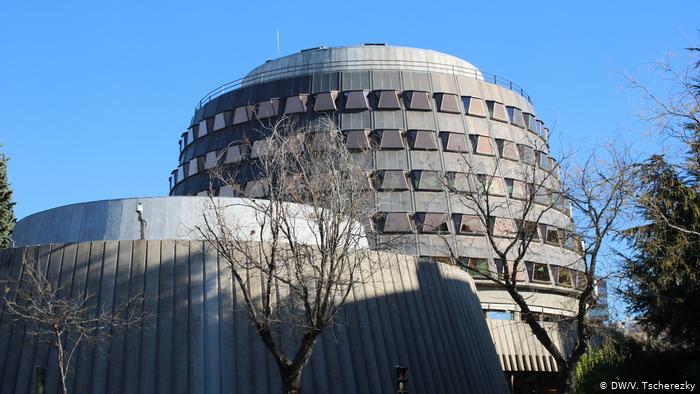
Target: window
{"points": [[295, 104], [533, 124], [478, 268], [481, 145], [427, 180], [421, 139], [554, 167], [442, 259], [395, 222], [356, 100], [226, 191], [473, 106], [388, 99], [542, 160], [516, 117], [519, 275], [538, 272], [565, 277], [391, 180], [500, 227], [257, 188], [527, 154], [528, 229], [268, 108], [497, 111], [468, 224], [458, 182], [552, 236], [499, 315], [491, 184], [416, 100], [220, 120], [325, 101], [541, 195], [193, 167], [390, 139], [357, 140], [260, 149], [557, 199], [433, 223], [447, 103], [528, 118], [516, 189], [210, 159], [454, 142], [541, 128], [202, 129], [241, 114], [235, 153], [507, 149], [568, 240]]}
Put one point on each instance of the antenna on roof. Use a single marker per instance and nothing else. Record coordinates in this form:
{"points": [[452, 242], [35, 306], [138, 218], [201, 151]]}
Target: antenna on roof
{"points": [[278, 42]]}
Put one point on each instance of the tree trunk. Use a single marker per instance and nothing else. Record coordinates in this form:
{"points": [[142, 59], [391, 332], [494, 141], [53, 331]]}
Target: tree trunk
{"points": [[60, 360], [566, 379], [291, 380], [61, 371]]}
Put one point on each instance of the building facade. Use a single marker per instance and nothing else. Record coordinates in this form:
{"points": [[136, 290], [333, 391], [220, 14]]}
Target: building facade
{"points": [[425, 123], [421, 116], [198, 338]]}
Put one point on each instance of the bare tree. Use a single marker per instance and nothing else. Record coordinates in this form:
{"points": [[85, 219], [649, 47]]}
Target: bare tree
{"points": [[598, 190], [676, 115], [64, 323], [300, 250]]}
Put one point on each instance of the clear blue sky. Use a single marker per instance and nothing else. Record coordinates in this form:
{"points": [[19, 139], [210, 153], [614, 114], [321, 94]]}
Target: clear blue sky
{"points": [[94, 95]]}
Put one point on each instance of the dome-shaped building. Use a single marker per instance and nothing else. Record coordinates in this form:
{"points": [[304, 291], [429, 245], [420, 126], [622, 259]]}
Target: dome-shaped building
{"points": [[421, 116], [428, 126]]}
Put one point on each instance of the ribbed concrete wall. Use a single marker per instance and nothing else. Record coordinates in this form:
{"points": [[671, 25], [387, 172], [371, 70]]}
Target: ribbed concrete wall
{"points": [[519, 350], [422, 315]]}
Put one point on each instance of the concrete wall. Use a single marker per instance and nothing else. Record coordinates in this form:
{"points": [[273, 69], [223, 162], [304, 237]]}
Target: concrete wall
{"points": [[167, 218], [424, 316]]}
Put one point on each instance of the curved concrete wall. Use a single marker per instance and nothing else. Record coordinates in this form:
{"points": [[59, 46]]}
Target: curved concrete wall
{"points": [[174, 218], [422, 315]]}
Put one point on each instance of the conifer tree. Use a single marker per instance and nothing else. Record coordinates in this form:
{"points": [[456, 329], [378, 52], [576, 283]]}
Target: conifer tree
{"points": [[663, 269], [7, 215]]}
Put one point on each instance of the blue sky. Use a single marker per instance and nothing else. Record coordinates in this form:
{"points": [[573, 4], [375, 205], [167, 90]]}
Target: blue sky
{"points": [[94, 95]]}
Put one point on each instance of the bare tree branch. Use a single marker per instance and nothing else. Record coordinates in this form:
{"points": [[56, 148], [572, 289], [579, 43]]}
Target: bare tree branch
{"points": [[296, 261], [62, 322]]}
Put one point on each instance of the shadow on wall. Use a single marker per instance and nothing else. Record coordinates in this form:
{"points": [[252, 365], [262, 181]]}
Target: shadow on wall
{"points": [[424, 316]]}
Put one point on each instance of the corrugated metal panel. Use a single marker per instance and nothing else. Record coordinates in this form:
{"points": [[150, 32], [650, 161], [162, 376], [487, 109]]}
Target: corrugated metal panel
{"points": [[197, 339]]}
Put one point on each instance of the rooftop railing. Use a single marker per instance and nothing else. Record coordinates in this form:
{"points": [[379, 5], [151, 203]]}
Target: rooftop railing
{"points": [[356, 65]]}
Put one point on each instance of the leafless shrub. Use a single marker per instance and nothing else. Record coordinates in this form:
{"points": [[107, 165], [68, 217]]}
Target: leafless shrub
{"points": [[63, 322]]}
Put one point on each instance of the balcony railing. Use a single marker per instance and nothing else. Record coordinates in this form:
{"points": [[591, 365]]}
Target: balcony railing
{"points": [[356, 65]]}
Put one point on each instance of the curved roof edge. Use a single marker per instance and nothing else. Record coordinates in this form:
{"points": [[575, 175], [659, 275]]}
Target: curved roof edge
{"points": [[173, 218], [364, 57]]}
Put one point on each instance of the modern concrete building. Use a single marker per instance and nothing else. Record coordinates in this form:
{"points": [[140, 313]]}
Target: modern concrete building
{"points": [[421, 116], [199, 339]]}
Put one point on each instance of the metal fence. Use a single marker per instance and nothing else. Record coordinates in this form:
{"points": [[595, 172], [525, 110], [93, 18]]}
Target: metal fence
{"points": [[356, 65]]}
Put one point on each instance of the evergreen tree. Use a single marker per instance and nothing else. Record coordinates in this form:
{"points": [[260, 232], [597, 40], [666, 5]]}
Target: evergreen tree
{"points": [[7, 215], [664, 270], [664, 267]]}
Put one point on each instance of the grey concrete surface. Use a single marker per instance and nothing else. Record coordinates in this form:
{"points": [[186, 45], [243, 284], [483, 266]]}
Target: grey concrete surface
{"points": [[198, 339], [174, 218]]}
